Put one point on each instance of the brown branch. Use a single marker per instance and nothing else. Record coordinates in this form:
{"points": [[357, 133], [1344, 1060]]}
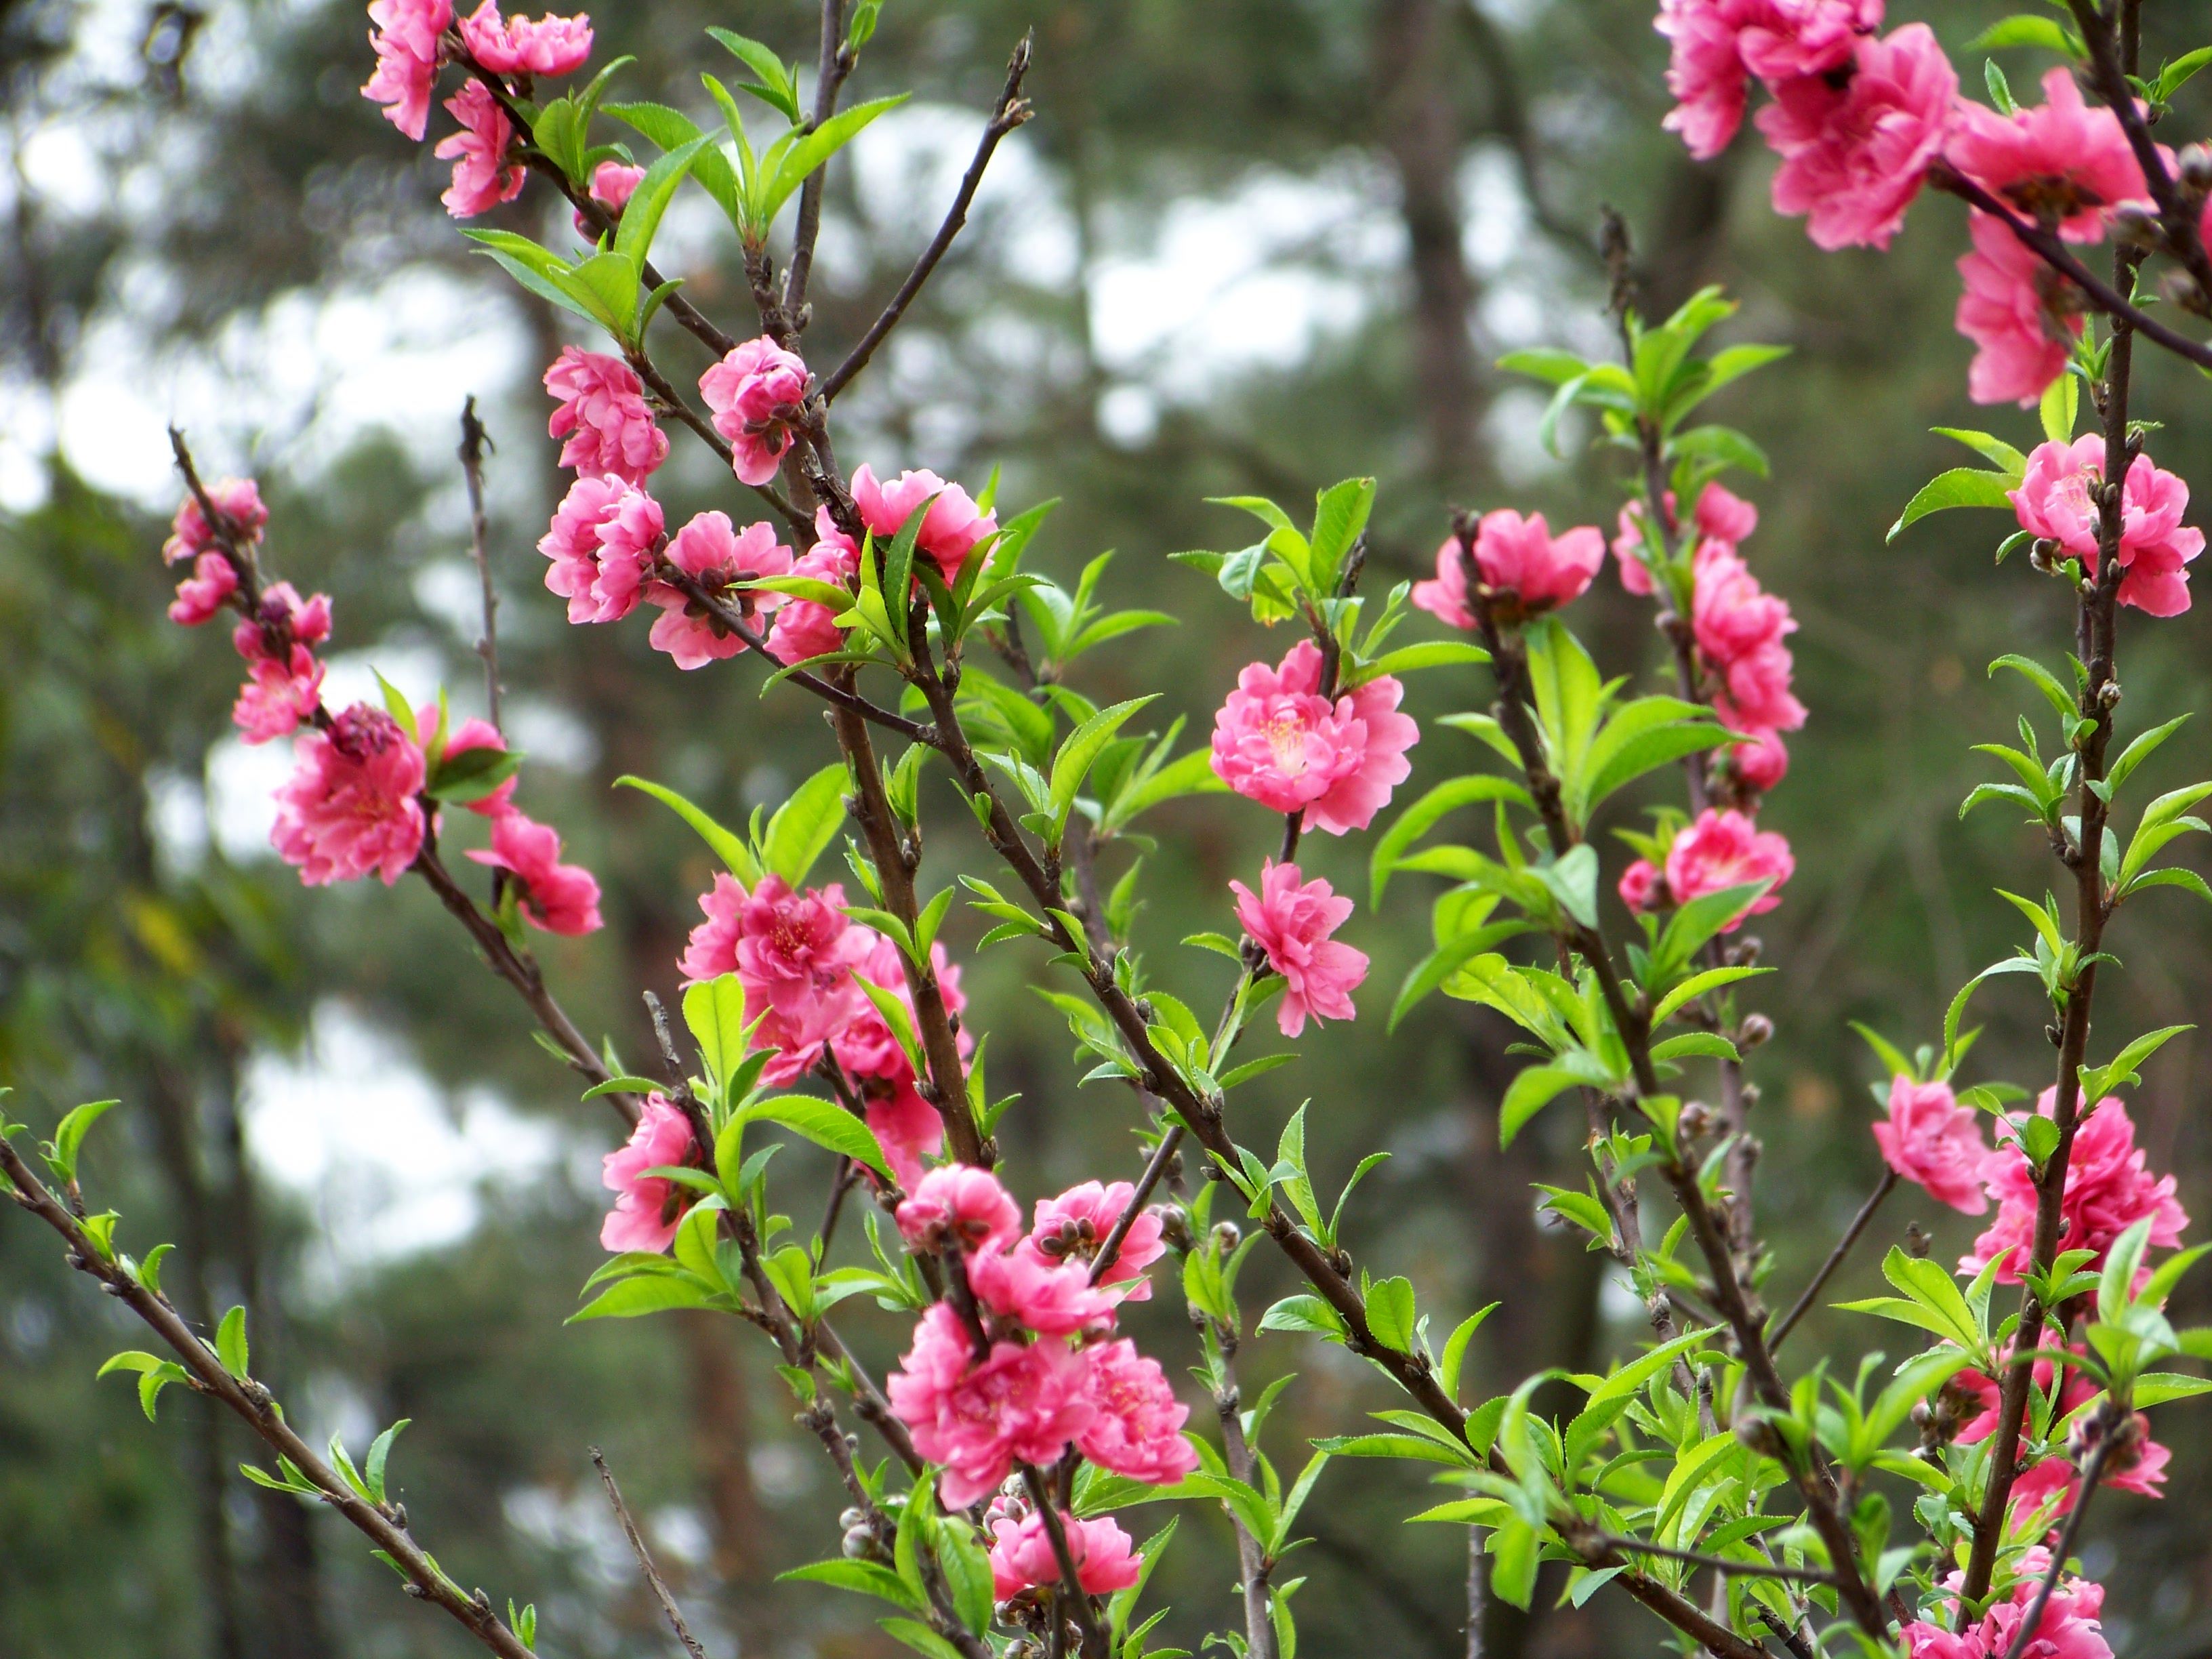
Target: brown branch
{"points": [[2092, 1471], [654, 1581], [1011, 112], [834, 61], [384, 1524], [1070, 1596], [1252, 1562]]}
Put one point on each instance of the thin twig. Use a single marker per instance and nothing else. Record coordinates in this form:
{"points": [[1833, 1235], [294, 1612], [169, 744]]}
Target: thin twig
{"points": [[2092, 1471], [652, 1578], [1110, 1249], [1727, 1563], [475, 440], [1798, 1308], [1072, 1596], [833, 62], [1012, 110]]}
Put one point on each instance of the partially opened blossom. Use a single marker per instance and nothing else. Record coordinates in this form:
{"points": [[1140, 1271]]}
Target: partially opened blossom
{"points": [[603, 417], [755, 393], [278, 696], [977, 1417], [1723, 518], [962, 1205], [1740, 629], [601, 543], [907, 1128], [1277, 741], [1138, 1429], [1724, 849], [2064, 163], [349, 808], [1292, 918], [2055, 500], [1055, 1299], [648, 1208], [613, 183], [283, 615], [236, 501], [480, 734], [1759, 764], [1023, 1556], [1521, 558], [405, 41], [865, 1045], [2109, 1189], [203, 593], [1642, 886], [511, 45], [487, 166], [951, 529], [1855, 150], [710, 552], [1072, 1226], [711, 951], [2022, 317], [560, 898], [805, 628], [1934, 1143]]}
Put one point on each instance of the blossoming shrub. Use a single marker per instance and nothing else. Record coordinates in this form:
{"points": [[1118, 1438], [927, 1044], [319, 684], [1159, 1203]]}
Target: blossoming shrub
{"points": [[1928, 1506]]}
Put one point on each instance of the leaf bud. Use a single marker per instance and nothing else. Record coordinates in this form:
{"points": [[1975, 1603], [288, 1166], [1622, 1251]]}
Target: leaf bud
{"points": [[1917, 1243]]}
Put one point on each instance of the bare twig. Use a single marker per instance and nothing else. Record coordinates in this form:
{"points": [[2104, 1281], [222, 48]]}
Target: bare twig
{"points": [[833, 62], [2092, 1471], [652, 1578], [475, 440], [1012, 110], [1798, 1308]]}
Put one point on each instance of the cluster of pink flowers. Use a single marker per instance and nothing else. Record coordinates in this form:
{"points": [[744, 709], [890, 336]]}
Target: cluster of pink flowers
{"points": [[1023, 1557], [412, 39], [1277, 741], [1524, 569], [1723, 849], [2137, 1465], [603, 417], [1859, 120], [1292, 918], [801, 960], [1041, 1370], [2067, 1630], [2056, 502], [2109, 1189]]}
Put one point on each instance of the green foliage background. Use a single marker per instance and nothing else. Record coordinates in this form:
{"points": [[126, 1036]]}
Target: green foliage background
{"points": [[246, 174]]}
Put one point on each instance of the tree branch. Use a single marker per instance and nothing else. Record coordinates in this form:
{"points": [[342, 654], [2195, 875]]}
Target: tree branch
{"points": [[652, 1578], [1798, 1308]]}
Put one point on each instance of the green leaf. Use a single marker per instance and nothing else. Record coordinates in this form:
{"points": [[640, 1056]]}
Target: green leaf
{"points": [[714, 1009], [69, 1133], [967, 1574], [2026, 30], [816, 148], [473, 774], [1418, 819], [2062, 398], [630, 1298], [920, 1638], [1073, 761], [1696, 985], [1340, 519], [2177, 74], [1390, 1312], [725, 845], [230, 1345], [379, 1453], [1536, 1087], [641, 214], [825, 1124], [862, 1577], [804, 825], [1962, 486]]}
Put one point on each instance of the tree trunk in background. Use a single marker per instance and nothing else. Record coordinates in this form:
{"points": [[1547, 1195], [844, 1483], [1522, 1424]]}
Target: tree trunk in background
{"points": [[1414, 70]]}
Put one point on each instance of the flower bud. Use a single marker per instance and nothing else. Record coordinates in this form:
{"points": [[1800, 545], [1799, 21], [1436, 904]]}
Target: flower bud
{"points": [[1696, 1120], [1754, 1030], [1175, 1225], [860, 1543], [2195, 166], [2135, 226], [2183, 289], [1917, 1243], [1226, 1235]]}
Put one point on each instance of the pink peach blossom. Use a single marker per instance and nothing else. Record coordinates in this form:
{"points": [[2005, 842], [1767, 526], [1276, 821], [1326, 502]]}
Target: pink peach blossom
{"points": [[2064, 163], [803, 627], [613, 183], [407, 55], [350, 808], [1854, 155], [1071, 1227], [865, 1045], [1725, 849], [977, 1417], [603, 417], [1935, 1143], [1052, 1299], [203, 593], [278, 696], [713, 948], [1761, 763], [2067, 1629], [1292, 920], [908, 1128], [2108, 1189], [560, 898], [1641, 886], [1724, 520], [951, 529], [648, 1208], [1443, 596], [2055, 502], [754, 393], [1137, 1430], [486, 167], [1277, 741], [793, 948], [1023, 1556], [963, 1205], [479, 734], [601, 543], [1521, 557], [2021, 317], [707, 550], [284, 618], [237, 502], [1717, 43], [511, 45]]}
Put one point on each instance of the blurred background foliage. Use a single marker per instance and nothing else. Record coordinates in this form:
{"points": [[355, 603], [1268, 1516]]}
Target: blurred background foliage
{"points": [[1247, 245]]}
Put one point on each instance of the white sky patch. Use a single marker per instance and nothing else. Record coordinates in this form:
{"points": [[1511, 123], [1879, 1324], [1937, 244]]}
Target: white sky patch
{"points": [[387, 1163]]}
